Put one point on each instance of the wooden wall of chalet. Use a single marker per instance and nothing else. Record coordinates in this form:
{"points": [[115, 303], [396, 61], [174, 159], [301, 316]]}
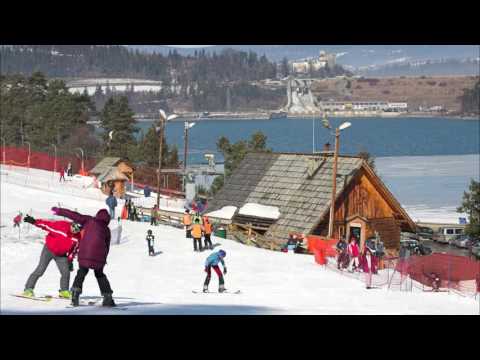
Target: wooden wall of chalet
{"points": [[361, 198]]}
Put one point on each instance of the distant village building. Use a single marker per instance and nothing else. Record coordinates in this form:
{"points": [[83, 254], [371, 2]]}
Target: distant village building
{"points": [[304, 66], [359, 106], [112, 173], [300, 186]]}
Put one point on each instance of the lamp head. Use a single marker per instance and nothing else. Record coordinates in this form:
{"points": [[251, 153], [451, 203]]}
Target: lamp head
{"points": [[345, 125]]}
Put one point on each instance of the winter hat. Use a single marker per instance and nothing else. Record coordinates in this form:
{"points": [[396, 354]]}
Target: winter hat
{"points": [[149, 232], [222, 253]]}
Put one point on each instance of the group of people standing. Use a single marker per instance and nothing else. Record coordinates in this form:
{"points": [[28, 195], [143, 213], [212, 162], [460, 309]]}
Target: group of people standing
{"points": [[350, 258], [87, 236], [195, 227]]}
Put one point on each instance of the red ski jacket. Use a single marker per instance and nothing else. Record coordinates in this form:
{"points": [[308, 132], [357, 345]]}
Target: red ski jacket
{"points": [[60, 240]]}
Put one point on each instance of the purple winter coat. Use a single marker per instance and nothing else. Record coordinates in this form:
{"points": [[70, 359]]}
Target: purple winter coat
{"points": [[95, 243]]}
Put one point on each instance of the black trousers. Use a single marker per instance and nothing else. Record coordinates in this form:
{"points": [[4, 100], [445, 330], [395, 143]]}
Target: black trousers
{"points": [[102, 280], [151, 251], [199, 241], [208, 242]]}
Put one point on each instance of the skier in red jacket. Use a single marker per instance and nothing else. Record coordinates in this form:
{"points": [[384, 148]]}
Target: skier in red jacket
{"points": [[61, 245]]}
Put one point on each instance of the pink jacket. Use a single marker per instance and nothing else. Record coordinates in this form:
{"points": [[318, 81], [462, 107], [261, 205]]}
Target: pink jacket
{"points": [[368, 265], [353, 249]]}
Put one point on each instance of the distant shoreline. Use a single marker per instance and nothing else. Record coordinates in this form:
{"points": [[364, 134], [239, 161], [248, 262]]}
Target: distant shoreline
{"points": [[264, 116]]}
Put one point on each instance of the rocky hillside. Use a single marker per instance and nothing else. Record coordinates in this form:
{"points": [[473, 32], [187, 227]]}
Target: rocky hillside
{"points": [[422, 91]]}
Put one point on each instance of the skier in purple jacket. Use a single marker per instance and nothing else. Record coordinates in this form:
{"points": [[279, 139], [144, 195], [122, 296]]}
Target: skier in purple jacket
{"points": [[92, 252]]}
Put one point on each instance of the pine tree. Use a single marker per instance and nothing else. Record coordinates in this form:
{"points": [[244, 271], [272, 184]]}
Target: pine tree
{"points": [[471, 206], [117, 116]]}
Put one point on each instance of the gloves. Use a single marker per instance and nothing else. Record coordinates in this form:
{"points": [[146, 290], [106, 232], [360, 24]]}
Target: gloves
{"points": [[206, 269], [224, 271], [29, 219], [70, 266], [55, 210]]}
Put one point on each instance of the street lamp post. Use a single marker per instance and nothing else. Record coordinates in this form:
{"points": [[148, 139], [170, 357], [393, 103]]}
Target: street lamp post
{"points": [[334, 176], [185, 153], [4, 158], [29, 151], [163, 120], [55, 158], [82, 164]]}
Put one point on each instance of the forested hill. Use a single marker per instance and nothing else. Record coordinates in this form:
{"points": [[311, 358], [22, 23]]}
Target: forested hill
{"points": [[82, 61]]}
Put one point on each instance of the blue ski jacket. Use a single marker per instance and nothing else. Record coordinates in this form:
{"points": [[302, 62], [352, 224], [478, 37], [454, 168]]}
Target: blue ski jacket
{"points": [[214, 259]]}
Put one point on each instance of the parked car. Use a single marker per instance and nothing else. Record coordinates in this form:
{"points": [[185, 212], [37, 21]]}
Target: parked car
{"points": [[413, 247], [476, 250], [463, 241], [444, 234], [405, 236], [425, 233]]}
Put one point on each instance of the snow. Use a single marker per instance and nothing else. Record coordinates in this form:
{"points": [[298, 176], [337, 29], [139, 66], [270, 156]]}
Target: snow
{"points": [[271, 282], [262, 211], [225, 212]]}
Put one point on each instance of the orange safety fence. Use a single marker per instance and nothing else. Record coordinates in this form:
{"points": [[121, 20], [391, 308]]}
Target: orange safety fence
{"points": [[321, 247], [17, 156]]}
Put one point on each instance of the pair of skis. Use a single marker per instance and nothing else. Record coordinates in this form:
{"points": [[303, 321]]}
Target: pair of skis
{"points": [[82, 303]]}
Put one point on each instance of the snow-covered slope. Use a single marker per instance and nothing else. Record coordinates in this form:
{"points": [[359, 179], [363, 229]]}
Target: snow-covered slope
{"points": [[271, 282]]}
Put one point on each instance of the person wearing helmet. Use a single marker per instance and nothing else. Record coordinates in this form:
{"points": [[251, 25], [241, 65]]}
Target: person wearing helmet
{"points": [[207, 232], [197, 230], [150, 240], [61, 243], [92, 252], [187, 222], [212, 262]]}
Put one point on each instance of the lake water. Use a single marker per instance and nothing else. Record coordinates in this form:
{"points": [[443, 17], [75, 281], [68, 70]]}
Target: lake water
{"points": [[427, 163], [379, 136]]}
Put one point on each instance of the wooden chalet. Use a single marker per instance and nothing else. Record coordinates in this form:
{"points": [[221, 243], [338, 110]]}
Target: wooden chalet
{"points": [[300, 185], [112, 173]]}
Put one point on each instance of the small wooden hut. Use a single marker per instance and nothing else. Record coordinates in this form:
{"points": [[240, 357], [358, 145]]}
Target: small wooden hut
{"points": [[113, 173], [300, 186]]}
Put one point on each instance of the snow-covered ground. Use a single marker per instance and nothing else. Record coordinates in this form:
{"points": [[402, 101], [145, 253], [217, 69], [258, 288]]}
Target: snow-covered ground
{"points": [[271, 282]]}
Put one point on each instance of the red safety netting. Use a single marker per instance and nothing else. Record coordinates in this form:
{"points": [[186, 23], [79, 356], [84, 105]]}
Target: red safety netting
{"points": [[442, 271], [46, 161]]}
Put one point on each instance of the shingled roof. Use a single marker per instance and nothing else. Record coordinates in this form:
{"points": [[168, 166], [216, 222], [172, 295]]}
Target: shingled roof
{"points": [[299, 187], [105, 165]]}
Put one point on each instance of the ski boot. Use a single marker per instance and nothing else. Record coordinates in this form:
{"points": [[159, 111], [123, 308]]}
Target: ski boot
{"points": [[221, 288], [108, 300], [28, 293], [64, 294], [205, 288], [76, 296]]}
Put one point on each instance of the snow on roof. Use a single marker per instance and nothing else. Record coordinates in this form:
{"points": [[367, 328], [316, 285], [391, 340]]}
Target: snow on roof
{"points": [[225, 212], [262, 211]]}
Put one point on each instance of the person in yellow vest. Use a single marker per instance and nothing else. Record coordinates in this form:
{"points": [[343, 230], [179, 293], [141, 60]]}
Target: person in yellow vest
{"points": [[187, 222], [197, 230], [207, 233]]}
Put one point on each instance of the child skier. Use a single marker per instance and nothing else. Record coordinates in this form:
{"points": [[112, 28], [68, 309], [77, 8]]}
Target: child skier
{"points": [[353, 253], [60, 245], [212, 262], [197, 230], [342, 258], [207, 232], [17, 219], [92, 252], [150, 240]]}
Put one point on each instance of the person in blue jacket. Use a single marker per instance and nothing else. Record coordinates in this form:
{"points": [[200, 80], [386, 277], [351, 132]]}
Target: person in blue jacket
{"points": [[112, 204], [212, 262]]}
